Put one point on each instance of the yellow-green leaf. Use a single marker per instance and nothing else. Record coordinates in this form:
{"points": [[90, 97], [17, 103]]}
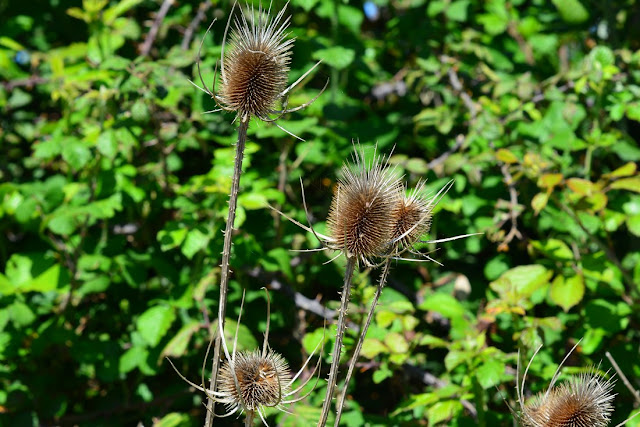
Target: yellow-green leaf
{"points": [[567, 292], [539, 202], [627, 170], [581, 186], [506, 156], [631, 184]]}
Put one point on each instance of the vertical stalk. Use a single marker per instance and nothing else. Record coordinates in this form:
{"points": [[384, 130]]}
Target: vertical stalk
{"points": [[478, 393], [248, 419], [382, 282], [226, 254], [337, 348]]}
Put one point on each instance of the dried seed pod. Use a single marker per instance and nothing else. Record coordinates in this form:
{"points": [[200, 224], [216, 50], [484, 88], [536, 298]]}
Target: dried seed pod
{"points": [[359, 220], [411, 217], [255, 67], [585, 400], [262, 380], [249, 381]]}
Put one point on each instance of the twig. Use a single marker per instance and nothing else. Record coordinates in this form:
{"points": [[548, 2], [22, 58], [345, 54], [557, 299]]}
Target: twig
{"points": [[188, 33], [153, 32], [513, 212], [28, 82], [625, 380]]}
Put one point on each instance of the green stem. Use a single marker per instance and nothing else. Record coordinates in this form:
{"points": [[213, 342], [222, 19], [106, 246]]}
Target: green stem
{"points": [[478, 393], [226, 255], [363, 333], [337, 348]]}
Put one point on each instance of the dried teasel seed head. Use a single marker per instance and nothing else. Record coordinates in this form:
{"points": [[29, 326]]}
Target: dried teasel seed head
{"points": [[256, 63], [360, 212], [411, 217], [261, 380], [581, 401]]}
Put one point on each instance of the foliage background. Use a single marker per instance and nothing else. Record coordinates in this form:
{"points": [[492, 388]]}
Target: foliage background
{"points": [[114, 187]]}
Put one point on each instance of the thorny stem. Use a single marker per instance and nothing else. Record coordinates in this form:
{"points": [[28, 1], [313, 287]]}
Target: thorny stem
{"points": [[381, 284], [226, 254], [248, 419], [337, 348]]}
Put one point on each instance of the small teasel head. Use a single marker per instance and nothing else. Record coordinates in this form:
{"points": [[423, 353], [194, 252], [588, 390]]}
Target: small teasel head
{"points": [[584, 400], [251, 380], [411, 217], [255, 66], [359, 219]]}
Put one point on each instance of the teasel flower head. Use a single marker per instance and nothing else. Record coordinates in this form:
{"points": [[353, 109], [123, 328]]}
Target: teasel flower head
{"points": [[585, 400], [250, 381], [255, 66], [359, 215]]}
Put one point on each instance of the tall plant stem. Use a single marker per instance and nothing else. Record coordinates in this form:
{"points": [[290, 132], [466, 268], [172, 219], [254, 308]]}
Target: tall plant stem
{"points": [[226, 254], [356, 353], [337, 348]]}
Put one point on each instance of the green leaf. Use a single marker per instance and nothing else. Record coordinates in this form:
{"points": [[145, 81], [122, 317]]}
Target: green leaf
{"points": [[372, 347], [567, 292], [623, 171], [490, 372], [631, 184], [443, 411], [571, 11], [633, 223], [554, 249], [20, 314], [539, 202], [154, 323], [173, 419], [196, 240], [581, 186], [337, 57], [523, 280], [132, 358], [457, 10], [506, 156], [396, 342], [307, 5], [76, 153], [177, 346]]}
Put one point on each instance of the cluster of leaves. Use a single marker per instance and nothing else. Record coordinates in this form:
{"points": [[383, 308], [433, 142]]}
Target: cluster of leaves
{"points": [[114, 190]]}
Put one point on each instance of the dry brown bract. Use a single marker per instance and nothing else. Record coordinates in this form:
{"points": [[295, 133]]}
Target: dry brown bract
{"points": [[255, 66], [585, 400], [360, 211], [249, 381]]}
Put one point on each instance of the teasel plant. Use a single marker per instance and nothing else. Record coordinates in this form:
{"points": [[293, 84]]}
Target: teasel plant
{"points": [[254, 73], [251, 381], [411, 221], [583, 400], [372, 222]]}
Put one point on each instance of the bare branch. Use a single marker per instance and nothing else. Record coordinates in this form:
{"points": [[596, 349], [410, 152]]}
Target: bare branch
{"points": [[153, 32]]}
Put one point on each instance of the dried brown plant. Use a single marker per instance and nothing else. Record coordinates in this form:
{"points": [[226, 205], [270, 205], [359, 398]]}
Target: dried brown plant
{"points": [[584, 400], [250, 381]]}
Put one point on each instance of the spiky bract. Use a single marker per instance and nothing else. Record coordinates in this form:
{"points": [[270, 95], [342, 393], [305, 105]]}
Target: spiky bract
{"points": [[411, 218], [256, 65], [581, 401], [261, 381], [361, 208]]}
